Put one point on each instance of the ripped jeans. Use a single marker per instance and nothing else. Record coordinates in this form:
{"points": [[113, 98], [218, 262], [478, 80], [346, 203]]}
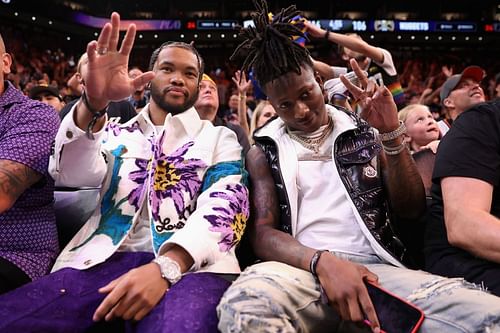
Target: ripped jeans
{"points": [[275, 297]]}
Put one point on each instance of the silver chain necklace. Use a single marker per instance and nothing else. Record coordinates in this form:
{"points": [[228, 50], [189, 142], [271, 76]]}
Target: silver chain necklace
{"points": [[313, 144]]}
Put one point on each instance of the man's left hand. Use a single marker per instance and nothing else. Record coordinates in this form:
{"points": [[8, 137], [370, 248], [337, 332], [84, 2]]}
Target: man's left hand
{"points": [[377, 104], [132, 295]]}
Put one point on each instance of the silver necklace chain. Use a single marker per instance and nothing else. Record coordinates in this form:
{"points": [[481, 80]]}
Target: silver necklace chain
{"points": [[313, 144]]}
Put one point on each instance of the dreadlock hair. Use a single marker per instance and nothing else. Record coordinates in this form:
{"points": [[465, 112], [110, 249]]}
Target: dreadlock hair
{"points": [[182, 45], [269, 48]]}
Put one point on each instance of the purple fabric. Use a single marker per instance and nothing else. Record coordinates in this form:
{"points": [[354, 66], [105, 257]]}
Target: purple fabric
{"points": [[65, 301], [28, 235]]}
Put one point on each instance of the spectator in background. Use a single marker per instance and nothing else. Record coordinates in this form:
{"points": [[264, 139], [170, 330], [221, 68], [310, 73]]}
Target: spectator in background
{"points": [[243, 86], [460, 92], [75, 85], [121, 111], [28, 235], [376, 61], [47, 94], [138, 99], [262, 113], [231, 115], [463, 232], [422, 130], [207, 105], [497, 86]]}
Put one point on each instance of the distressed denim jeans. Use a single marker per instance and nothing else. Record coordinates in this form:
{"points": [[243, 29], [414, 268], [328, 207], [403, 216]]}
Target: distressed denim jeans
{"points": [[275, 297]]}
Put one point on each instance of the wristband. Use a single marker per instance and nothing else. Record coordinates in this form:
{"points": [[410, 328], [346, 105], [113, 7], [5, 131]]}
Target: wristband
{"points": [[85, 101], [314, 262], [327, 33], [95, 115]]}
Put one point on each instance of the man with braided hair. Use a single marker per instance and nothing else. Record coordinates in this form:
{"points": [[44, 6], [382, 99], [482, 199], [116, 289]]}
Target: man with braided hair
{"points": [[322, 183]]}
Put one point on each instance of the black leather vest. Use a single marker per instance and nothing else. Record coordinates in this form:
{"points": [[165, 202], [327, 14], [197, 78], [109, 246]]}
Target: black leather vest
{"points": [[356, 157]]}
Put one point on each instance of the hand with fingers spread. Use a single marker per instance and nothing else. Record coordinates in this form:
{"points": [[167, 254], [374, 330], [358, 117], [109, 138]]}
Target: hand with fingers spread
{"points": [[107, 75], [132, 295], [377, 104], [343, 283], [241, 82]]}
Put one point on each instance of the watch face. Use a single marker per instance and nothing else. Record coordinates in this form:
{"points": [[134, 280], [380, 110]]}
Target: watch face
{"points": [[170, 269], [172, 272]]}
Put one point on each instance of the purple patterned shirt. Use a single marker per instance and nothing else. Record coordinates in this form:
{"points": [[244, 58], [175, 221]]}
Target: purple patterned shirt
{"points": [[28, 235]]}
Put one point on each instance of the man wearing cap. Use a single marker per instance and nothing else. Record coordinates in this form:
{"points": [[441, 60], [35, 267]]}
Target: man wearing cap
{"points": [[497, 86], [47, 94], [460, 92], [207, 106], [28, 235], [463, 231]]}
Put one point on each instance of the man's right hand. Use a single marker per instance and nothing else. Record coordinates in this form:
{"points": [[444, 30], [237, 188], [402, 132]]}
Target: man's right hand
{"points": [[343, 282], [106, 78]]}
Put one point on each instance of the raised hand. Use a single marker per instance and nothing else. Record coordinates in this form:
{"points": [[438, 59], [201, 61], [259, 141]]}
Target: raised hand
{"points": [[314, 30], [447, 71], [106, 78], [378, 106], [241, 82]]}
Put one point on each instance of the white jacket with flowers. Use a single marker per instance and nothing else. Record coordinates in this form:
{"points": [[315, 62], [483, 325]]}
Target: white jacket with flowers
{"points": [[191, 174]]}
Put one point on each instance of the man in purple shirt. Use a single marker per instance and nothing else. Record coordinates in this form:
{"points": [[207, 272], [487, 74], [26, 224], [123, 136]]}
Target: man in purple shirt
{"points": [[28, 235]]}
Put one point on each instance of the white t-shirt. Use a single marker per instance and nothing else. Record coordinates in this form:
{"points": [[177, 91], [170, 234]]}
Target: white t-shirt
{"points": [[325, 216]]}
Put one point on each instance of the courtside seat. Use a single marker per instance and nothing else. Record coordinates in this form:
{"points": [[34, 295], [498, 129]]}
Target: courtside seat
{"points": [[73, 207]]}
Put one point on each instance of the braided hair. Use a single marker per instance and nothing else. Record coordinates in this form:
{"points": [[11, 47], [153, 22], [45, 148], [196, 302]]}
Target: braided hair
{"points": [[269, 48]]}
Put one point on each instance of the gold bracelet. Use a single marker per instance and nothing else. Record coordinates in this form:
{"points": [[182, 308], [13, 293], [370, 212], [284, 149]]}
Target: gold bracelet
{"points": [[242, 97]]}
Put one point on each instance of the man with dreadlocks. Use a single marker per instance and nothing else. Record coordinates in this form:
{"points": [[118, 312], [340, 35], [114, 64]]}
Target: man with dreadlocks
{"points": [[322, 182]]}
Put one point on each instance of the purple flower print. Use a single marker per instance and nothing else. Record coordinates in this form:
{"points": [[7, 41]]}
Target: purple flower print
{"points": [[232, 219], [116, 128], [139, 176], [172, 177]]}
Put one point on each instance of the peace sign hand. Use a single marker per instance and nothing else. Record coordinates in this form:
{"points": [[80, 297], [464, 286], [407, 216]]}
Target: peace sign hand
{"points": [[378, 106]]}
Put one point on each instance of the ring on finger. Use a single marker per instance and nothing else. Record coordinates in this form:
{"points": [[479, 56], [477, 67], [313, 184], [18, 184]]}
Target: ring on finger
{"points": [[102, 50]]}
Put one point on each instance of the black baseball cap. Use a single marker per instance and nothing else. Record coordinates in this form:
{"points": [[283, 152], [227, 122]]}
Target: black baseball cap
{"points": [[44, 88]]}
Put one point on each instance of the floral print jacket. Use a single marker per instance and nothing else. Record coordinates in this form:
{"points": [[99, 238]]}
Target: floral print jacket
{"points": [[188, 172]]}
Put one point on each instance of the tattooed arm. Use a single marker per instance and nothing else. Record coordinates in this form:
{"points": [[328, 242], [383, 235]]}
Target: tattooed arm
{"points": [[15, 178], [268, 242], [403, 183], [342, 281]]}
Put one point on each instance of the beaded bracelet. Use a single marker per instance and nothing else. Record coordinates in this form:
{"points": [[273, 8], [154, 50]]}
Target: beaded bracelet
{"points": [[96, 114], [394, 134]]}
